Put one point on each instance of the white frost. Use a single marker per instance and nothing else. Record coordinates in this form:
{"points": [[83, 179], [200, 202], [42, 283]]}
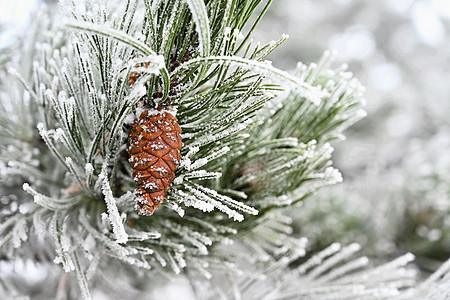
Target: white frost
{"points": [[113, 213]]}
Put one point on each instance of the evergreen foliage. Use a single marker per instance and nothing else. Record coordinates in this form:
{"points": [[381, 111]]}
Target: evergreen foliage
{"points": [[255, 143]]}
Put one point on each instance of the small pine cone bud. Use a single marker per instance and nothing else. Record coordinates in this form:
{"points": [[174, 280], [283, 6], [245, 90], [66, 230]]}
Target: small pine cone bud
{"points": [[135, 76], [154, 149]]}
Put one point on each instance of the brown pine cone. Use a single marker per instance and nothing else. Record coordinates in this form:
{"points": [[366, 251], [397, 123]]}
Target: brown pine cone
{"points": [[154, 148], [135, 76]]}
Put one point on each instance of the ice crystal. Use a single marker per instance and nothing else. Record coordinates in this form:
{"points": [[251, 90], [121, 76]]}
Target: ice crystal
{"points": [[113, 213]]}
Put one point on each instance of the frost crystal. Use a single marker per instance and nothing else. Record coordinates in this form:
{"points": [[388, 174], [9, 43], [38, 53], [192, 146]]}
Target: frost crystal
{"points": [[113, 213], [155, 64]]}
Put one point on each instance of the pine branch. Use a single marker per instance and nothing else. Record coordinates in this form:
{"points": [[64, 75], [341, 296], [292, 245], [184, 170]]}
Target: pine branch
{"points": [[255, 140]]}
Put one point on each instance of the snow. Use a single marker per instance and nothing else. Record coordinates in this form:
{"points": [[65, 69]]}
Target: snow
{"points": [[227, 200], [174, 206], [19, 233], [202, 174], [113, 213], [344, 253], [48, 202], [178, 180], [265, 68], [150, 185], [318, 258], [333, 175], [200, 17], [130, 118], [155, 64], [89, 169], [63, 245], [190, 200], [197, 164], [223, 208]]}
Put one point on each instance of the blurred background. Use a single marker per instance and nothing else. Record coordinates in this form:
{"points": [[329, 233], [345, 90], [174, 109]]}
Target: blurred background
{"points": [[396, 162]]}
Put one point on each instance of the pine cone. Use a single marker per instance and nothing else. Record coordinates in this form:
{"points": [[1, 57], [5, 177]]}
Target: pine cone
{"points": [[135, 76], [154, 149]]}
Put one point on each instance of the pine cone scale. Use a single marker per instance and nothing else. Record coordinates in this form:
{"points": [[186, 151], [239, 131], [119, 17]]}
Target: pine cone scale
{"points": [[171, 139], [170, 163]]}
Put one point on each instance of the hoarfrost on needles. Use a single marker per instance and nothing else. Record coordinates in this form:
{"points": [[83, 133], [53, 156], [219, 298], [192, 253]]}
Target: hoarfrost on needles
{"points": [[113, 213]]}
